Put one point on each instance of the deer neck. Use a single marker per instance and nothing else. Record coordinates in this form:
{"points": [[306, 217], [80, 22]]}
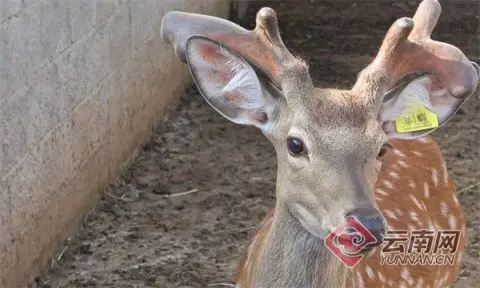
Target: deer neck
{"points": [[293, 257]]}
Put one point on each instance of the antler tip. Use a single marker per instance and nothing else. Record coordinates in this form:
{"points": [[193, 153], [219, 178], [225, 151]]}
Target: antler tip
{"points": [[266, 13], [404, 23], [267, 25], [426, 18], [266, 17], [433, 4], [399, 31]]}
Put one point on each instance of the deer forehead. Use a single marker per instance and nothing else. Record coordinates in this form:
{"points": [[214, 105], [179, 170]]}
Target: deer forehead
{"points": [[332, 106], [347, 145], [336, 120]]}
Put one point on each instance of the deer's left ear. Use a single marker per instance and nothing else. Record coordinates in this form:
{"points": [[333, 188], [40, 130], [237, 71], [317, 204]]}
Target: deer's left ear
{"points": [[416, 106]]}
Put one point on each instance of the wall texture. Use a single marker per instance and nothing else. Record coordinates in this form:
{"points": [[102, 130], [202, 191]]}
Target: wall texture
{"points": [[81, 84]]}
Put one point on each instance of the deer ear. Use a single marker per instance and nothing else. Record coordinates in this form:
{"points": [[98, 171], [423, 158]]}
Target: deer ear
{"points": [[416, 106], [228, 83], [476, 67]]}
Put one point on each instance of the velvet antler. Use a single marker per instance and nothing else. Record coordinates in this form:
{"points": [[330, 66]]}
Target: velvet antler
{"points": [[408, 48]]}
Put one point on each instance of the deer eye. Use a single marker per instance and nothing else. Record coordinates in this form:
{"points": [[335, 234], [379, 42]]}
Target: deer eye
{"points": [[384, 149], [295, 146]]}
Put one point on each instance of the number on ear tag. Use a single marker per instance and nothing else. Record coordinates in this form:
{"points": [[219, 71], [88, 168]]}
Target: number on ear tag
{"points": [[416, 118]]}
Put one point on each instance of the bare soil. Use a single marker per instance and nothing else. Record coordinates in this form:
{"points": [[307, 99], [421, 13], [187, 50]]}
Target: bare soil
{"points": [[137, 237]]}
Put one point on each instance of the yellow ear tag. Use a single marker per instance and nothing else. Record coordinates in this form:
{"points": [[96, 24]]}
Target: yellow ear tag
{"points": [[416, 118]]}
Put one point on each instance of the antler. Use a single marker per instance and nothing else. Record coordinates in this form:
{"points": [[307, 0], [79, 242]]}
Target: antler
{"points": [[262, 47], [408, 48]]}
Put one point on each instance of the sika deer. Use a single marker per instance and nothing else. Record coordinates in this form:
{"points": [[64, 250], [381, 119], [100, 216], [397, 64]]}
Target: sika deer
{"points": [[330, 144]]}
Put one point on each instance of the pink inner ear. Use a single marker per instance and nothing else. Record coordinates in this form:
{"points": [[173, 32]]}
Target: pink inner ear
{"points": [[208, 52], [259, 117], [235, 98], [442, 101], [439, 95], [220, 77], [435, 83], [215, 61], [226, 81]]}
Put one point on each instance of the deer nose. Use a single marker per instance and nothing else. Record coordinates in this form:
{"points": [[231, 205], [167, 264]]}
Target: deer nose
{"points": [[373, 221]]}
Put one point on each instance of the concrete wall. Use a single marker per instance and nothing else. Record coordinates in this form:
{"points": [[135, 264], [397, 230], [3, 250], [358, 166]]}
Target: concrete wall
{"points": [[81, 84]]}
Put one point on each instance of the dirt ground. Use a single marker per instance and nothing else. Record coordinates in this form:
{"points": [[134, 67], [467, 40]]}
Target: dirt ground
{"points": [[139, 238]]}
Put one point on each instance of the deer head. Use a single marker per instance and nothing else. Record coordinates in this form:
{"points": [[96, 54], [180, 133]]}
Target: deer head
{"points": [[329, 142]]}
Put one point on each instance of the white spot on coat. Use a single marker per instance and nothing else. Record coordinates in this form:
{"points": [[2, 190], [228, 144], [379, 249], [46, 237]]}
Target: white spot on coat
{"points": [[416, 202], [426, 190], [452, 221], [412, 184], [399, 212], [360, 282], [420, 283], [369, 272], [416, 153], [414, 216], [435, 177], [387, 184], [445, 173], [402, 163], [381, 192], [390, 214], [455, 199], [393, 174], [381, 277], [405, 274], [444, 208]]}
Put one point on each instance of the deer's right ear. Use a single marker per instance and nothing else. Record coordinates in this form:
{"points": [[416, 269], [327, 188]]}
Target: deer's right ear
{"points": [[228, 83]]}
